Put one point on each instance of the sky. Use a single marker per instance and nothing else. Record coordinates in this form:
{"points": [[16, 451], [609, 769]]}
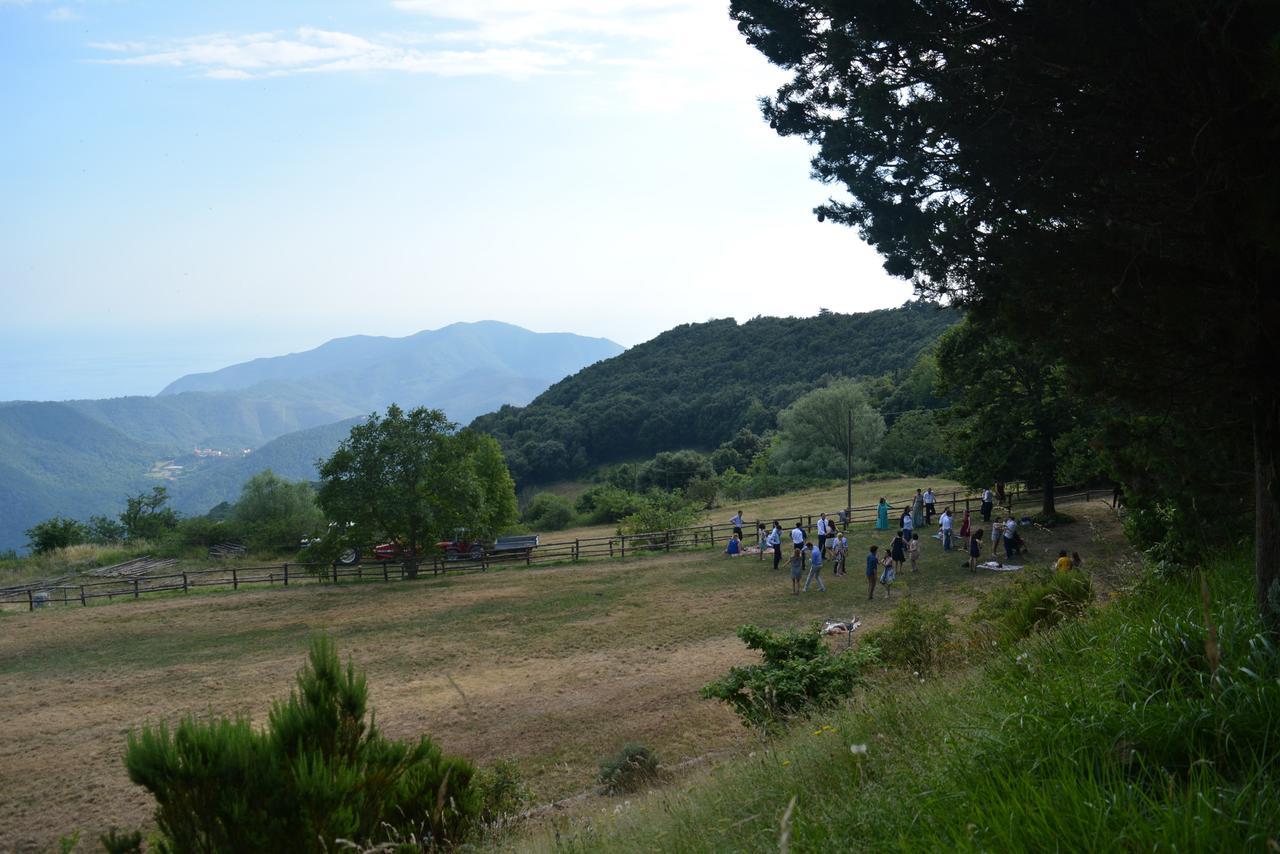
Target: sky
{"points": [[188, 185]]}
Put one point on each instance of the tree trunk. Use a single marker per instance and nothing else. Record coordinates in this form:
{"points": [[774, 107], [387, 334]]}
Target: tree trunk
{"points": [[1047, 508], [1266, 436]]}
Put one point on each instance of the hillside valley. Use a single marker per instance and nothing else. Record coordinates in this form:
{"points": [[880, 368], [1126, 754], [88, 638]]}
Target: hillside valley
{"points": [[204, 435]]}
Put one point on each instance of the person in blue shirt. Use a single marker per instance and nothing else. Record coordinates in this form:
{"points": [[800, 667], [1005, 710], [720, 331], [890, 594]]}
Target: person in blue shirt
{"points": [[775, 540], [734, 548], [873, 564], [815, 568]]}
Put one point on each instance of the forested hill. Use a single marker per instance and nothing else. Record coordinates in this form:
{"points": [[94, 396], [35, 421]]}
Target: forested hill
{"points": [[695, 385]]}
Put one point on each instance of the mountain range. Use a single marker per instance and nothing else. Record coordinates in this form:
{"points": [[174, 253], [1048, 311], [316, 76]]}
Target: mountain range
{"points": [[82, 457]]}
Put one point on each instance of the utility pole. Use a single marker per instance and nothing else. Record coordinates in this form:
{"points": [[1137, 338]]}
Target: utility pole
{"points": [[848, 466]]}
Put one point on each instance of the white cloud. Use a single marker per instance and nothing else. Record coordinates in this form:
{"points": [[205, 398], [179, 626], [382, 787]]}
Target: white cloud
{"points": [[310, 50], [63, 13]]}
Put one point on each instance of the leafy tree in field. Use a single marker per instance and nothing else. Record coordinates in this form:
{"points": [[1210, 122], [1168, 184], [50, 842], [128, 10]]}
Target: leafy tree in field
{"points": [[105, 530], [146, 517], [276, 512], [56, 533], [1096, 177], [320, 772], [656, 512], [814, 436], [410, 477], [1012, 406], [548, 512]]}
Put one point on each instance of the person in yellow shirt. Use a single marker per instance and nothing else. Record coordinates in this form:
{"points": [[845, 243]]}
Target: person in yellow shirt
{"points": [[1064, 563]]}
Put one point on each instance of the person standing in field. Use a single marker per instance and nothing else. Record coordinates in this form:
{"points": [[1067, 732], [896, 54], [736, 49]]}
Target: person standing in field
{"points": [[985, 510], [929, 506], [797, 534], [964, 527], [775, 541], [898, 550], [736, 522], [815, 569], [945, 522], [882, 515], [839, 546], [873, 567], [763, 536], [823, 530], [797, 568], [1010, 537], [913, 550], [908, 524], [917, 511], [975, 550]]}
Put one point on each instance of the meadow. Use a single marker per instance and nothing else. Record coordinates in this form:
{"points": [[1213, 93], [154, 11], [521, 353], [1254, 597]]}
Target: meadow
{"points": [[554, 667]]}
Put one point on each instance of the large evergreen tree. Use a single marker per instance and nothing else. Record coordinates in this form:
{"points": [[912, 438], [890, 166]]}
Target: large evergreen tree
{"points": [[1101, 175]]}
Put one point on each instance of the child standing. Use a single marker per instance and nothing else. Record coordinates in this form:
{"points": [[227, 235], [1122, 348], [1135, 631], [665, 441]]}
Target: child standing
{"points": [[913, 551], [839, 550]]}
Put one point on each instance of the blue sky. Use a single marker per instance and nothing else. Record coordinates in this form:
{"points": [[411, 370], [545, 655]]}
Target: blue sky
{"points": [[185, 185]]}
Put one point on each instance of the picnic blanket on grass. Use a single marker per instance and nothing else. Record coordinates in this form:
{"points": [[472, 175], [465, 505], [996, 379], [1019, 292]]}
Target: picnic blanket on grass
{"points": [[995, 567]]}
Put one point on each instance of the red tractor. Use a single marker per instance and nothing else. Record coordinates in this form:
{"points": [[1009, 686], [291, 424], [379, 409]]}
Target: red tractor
{"points": [[461, 547]]}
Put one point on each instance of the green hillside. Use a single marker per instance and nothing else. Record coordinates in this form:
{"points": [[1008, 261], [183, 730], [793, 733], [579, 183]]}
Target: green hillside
{"points": [[696, 385], [291, 456], [55, 460]]}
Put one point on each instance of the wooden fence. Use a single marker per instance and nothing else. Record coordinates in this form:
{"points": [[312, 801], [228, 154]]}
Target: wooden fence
{"points": [[38, 595]]}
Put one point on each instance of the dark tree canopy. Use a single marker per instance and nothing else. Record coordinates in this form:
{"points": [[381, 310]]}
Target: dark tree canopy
{"points": [[1099, 174]]}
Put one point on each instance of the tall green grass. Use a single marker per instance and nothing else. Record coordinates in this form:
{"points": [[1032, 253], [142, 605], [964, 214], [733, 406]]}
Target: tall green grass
{"points": [[1134, 727]]}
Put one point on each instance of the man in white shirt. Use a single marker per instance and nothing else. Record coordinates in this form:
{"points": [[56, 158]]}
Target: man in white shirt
{"points": [[986, 505], [1010, 533], [736, 522], [929, 505], [945, 521], [797, 535], [775, 542], [823, 530]]}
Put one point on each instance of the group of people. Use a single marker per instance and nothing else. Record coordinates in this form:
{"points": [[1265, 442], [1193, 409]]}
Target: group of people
{"points": [[808, 556]]}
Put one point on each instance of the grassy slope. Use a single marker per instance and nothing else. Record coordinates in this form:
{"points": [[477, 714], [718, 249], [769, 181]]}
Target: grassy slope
{"points": [[1107, 733]]}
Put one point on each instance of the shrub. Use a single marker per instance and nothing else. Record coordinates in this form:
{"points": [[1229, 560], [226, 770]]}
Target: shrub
{"points": [[916, 637], [319, 772], [121, 843], [703, 492], [658, 512], [628, 770], [1037, 602], [799, 674], [503, 791], [607, 503], [548, 512], [56, 533]]}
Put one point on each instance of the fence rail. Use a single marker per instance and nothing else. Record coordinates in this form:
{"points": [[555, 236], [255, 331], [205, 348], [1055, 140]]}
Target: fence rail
{"points": [[43, 594]]}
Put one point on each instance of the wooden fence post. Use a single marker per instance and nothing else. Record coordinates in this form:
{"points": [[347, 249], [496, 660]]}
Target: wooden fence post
{"points": [[611, 547], [670, 534], [335, 572], [31, 600], [64, 595], [82, 600], [386, 575], [135, 588], [235, 579], [575, 549], [286, 574], [711, 530], [184, 582], [623, 545]]}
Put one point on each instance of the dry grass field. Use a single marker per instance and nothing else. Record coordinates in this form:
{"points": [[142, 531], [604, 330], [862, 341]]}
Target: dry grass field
{"points": [[552, 667]]}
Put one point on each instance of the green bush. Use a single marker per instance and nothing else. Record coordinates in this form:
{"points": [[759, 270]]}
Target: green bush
{"points": [[658, 512], [916, 638], [608, 503], [799, 674], [114, 842], [504, 793], [629, 770], [548, 512], [319, 772], [56, 533], [1037, 601]]}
